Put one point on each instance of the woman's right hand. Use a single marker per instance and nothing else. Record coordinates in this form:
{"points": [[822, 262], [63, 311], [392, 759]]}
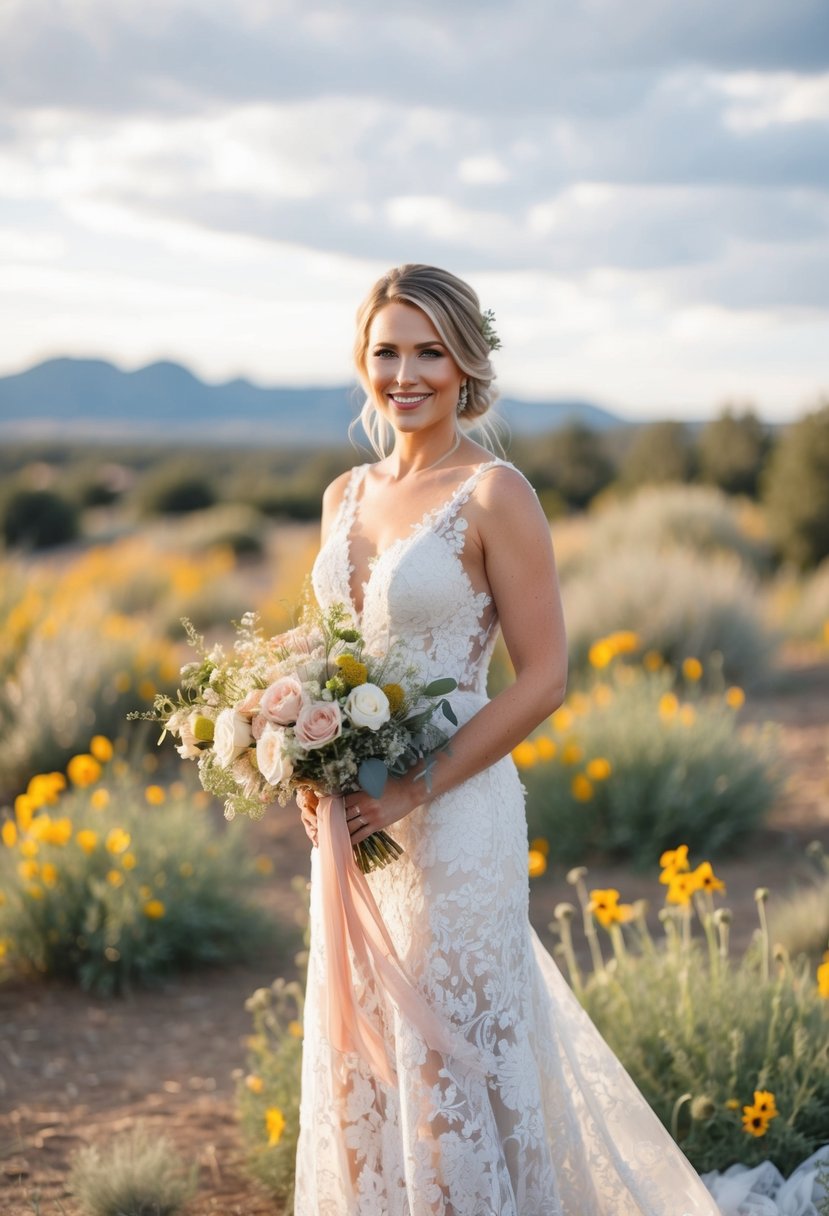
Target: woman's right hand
{"points": [[307, 800]]}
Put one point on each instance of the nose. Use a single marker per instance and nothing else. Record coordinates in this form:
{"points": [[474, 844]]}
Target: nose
{"points": [[407, 370]]}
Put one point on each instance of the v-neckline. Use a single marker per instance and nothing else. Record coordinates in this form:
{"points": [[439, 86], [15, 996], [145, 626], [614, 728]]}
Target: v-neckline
{"points": [[416, 529]]}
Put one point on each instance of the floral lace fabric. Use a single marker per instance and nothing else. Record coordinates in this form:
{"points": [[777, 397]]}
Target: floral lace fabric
{"points": [[549, 1123]]}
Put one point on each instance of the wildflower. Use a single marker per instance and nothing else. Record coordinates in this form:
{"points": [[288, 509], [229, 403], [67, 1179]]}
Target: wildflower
{"points": [[536, 863], [83, 770], [28, 869], [600, 654], [652, 660], [692, 669], [624, 641], [735, 697], [128, 861], [101, 748], [352, 670], [602, 695], [599, 769], [687, 715], [274, 1125], [706, 879], [541, 845], [562, 719], [545, 748], [823, 977], [263, 864], [524, 754], [146, 690], [154, 908], [605, 906], [581, 788], [295, 1029], [35, 890], [99, 800], [145, 891], [668, 706], [255, 1084], [87, 839], [155, 795], [732, 1104], [680, 889], [571, 753], [49, 873], [579, 703], [117, 840], [115, 878], [764, 1101], [9, 833], [24, 808], [673, 861], [28, 848], [56, 831], [395, 696], [45, 788]]}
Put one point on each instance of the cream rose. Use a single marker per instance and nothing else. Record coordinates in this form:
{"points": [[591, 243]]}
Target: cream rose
{"points": [[281, 701], [367, 705], [231, 735], [318, 723], [274, 763]]}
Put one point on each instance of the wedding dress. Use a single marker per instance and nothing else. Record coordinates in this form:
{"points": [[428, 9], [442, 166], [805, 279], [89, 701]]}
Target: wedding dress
{"points": [[549, 1123]]}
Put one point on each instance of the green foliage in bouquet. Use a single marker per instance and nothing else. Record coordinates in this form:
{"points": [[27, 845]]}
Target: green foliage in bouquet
{"points": [[732, 1055], [628, 765], [114, 885]]}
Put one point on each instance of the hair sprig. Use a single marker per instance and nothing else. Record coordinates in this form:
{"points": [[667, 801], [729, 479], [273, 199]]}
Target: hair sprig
{"points": [[488, 330]]}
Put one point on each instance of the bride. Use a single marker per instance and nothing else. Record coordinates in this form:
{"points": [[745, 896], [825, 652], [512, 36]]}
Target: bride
{"points": [[441, 545]]}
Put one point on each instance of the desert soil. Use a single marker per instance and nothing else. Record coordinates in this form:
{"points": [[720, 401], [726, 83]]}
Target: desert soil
{"points": [[74, 1069]]}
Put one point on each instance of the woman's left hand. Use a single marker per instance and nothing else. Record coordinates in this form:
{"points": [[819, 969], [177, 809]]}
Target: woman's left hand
{"points": [[365, 815]]}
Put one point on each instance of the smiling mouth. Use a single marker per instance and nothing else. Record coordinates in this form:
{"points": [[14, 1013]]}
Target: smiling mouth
{"points": [[414, 399]]}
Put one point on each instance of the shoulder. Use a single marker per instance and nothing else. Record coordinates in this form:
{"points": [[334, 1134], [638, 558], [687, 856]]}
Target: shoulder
{"points": [[504, 488], [334, 492]]}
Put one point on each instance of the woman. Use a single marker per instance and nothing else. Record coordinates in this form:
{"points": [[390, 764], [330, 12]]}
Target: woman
{"points": [[439, 544]]}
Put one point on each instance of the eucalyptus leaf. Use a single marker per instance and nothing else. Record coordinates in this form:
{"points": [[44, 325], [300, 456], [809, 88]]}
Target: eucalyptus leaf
{"points": [[372, 775], [439, 688], [448, 712]]}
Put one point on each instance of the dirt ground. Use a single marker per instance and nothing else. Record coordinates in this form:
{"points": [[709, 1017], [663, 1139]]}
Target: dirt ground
{"points": [[75, 1069]]}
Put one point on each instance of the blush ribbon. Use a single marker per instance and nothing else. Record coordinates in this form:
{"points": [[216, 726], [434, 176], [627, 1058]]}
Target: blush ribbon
{"points": [[351, 918]]}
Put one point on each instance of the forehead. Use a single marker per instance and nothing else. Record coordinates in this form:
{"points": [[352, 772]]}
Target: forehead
{"points": [[397, 322]]}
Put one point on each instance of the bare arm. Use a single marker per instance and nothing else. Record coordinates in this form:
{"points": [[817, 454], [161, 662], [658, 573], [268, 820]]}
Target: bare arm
{"points": [[520, 567]]}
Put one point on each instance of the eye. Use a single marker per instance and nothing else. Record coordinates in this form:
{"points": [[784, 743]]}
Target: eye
{"points": [[436, 353], [384, 350]]}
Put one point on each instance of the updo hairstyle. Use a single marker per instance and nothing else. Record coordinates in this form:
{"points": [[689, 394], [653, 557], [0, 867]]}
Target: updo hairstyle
{"points": [[455, 311]]}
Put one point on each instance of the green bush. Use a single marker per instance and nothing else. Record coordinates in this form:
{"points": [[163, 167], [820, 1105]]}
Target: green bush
{"points": [[658, 452], [138, 1173], [114, 888], [796, 490], [680, 605], [801, 922], [699, 1033], [731, 452], [38, 519], [174, 488], [630, 768], [571, 462]]}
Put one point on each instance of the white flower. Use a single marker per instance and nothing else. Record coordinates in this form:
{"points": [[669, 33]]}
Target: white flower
{"points": [[274, 763], [367, 705], [231, 736]]}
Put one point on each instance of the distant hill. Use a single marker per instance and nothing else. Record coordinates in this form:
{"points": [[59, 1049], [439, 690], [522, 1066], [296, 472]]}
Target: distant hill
{"points": [[90, 399]]}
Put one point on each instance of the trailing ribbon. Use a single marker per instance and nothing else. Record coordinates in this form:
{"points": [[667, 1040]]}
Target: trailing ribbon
{"points": [[350, 916]]}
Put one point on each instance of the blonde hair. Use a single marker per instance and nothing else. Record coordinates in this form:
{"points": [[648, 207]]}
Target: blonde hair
{"points": [[455, 311]]}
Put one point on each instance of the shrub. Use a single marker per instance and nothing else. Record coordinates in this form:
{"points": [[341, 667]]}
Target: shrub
{"points": [[38, 519], [629, 767], [701, 1034], [659, 452], [731, 451], [138, 1173], [800, 606], [698, 518], [796, 490], [801, 922], [680, 605], [572, 462], [111, 885], [176, 487]]}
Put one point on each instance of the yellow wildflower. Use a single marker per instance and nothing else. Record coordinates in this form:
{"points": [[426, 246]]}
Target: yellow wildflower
{"points": [[823, 980], [24, 809], [145, 891], [274, 1125], [101, 748], [605, 906], [146, 690], [571, 753], [115, 878], [524, 754], [668, 706], [692, 669], [42, 790], [99, 800], [562, 719], [581, 788], [128, 861], [396, 697], [545, 748], [601, 654], [83, 770], [28, 869], [624, 641], [295, 1029], [49, 873], [87, 839], [35, 890], [255, 1084], [674, 860], [117, 840], [680, 889], [536, 863], [735, 697], [732, 1104], [28, 848], [540, 845], [599, 769], [57, 831], [154, 908], [765, 1102], [652, 660], [352, 670], [263, 864], [706, 879], [155, 795], [9, 833], [687, 715], [755, 1123]]}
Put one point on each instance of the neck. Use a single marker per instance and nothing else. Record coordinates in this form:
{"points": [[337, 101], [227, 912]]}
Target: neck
{"points": [[415, 452]]}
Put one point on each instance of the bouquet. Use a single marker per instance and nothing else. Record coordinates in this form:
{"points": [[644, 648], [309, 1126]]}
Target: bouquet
{"points": [[310, 707]]}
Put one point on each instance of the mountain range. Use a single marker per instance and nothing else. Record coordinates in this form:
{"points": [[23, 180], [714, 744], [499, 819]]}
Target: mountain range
{"points": [[88, 399]]}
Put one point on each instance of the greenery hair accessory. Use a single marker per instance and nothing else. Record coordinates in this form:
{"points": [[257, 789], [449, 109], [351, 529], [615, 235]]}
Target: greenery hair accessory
{"points": [[488, 330]]}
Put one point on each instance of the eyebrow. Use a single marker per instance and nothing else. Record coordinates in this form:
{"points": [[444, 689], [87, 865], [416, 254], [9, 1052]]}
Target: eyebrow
{"points": [[418, 345]]}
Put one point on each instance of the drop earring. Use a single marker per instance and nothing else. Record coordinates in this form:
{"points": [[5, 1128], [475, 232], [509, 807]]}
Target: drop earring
{"points": [[463, 397]]}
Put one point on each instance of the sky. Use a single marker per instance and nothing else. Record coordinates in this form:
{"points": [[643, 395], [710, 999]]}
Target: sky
{"points": [[639, 189]]}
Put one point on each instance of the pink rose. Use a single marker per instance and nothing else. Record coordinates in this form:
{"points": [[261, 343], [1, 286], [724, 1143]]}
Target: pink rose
{"points": [[318, 723], [281, 701], [251, 702]]}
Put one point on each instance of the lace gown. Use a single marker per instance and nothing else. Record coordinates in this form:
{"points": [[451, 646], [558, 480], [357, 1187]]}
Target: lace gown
{"points": [[551, 1125]]}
